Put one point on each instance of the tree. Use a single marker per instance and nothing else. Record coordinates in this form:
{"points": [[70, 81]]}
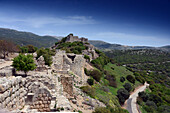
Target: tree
{"points": [[122, 79], [6, 47], [143, 95], [24, 63], [127, 86], [23, 49], [131, 79], [122, 94], [31, 48], [96, 75]]}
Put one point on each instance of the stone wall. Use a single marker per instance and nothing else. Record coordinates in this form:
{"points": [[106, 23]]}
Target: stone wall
{"points": [[42, 100], [78, 66], [12, 93], [63, 62], [38, 91], [67, 83]]}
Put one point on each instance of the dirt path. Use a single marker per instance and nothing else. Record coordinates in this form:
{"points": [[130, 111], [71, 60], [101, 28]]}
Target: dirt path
{"points": [[5, 64], [131, 104]]}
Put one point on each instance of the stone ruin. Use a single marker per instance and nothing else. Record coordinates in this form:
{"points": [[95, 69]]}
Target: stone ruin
{"points": [[64, 62], [41, 100], [44, 90], [67, 83], [71, 38], [38, 92]]}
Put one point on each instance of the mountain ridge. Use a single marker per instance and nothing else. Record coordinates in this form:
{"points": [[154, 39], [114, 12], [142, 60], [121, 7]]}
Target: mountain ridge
{"points": [[26, 38]]}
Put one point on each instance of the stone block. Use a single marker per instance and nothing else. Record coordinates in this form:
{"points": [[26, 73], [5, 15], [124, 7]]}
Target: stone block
{"points": [[3, 88]]}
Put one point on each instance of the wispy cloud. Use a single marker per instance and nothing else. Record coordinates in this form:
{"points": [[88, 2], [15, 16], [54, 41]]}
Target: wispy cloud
{"points": [[130, 39], [41, 21]]}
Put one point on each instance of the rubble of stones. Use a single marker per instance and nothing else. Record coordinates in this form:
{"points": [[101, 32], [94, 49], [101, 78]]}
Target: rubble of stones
{"points": [[48, 88]]}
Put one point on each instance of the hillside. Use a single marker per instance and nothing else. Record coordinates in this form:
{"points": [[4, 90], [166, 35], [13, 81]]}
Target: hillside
{"points": [[107, 46], [26, 38], [153, 66]]}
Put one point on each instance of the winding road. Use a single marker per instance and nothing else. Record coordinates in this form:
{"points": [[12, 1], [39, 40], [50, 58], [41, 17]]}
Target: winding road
{"points": [[131, 104]]}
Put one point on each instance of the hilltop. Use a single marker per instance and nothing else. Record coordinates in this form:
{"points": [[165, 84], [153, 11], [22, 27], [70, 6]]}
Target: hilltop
{"points": [[26, 38]]}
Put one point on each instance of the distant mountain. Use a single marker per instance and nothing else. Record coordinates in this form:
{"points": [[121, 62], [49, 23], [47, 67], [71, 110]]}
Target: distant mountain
{"points": [[105, 45], [26, 38]]}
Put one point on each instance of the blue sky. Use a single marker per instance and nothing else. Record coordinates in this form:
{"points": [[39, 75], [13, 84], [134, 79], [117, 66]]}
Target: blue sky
{"points": [[127, 22]]}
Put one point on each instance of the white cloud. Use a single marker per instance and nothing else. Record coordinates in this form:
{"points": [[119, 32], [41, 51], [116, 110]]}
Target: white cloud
{"points": [[130, 39], [122, 35], [41, 21]]}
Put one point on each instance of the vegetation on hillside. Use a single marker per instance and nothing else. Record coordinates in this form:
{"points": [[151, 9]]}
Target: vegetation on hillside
{"points": [[74, 47], [27, 49], [26, 38], [108, 87], [152, 66]]}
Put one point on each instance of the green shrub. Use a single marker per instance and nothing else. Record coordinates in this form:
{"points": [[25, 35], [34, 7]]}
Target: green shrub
{"points": [[31, 48], [87, 72], [96, 75], [47, 59], [122, 94], [90, 81], [112, 79], [143, 95], [23, 49], [62, 109], [127, 86], [87, 57], [89, 90], [140, 79], [47, 54], [101, 110], [122, 79], [151, 104], [131, 79], [24, 63]]}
